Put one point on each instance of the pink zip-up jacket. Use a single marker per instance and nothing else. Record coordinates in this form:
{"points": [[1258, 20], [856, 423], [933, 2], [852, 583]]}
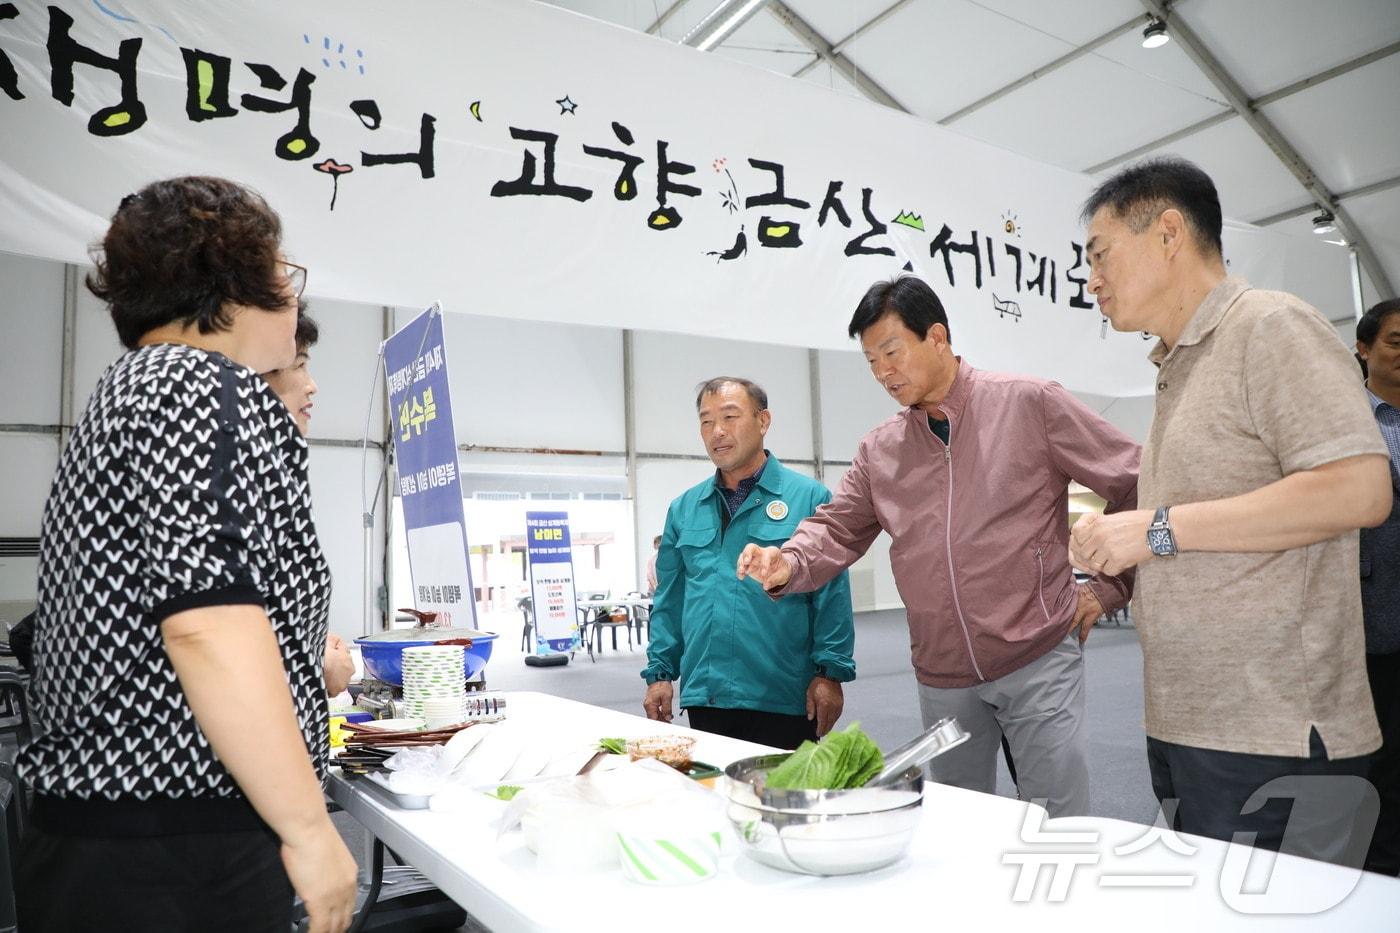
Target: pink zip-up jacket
{"points": [[979, 528]]}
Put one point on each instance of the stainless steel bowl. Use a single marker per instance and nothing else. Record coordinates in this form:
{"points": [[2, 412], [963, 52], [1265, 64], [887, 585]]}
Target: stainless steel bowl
{"points": [[821, 832]]}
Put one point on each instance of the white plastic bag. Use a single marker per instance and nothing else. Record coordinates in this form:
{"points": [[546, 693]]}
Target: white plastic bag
{"points": [[573, 822]]}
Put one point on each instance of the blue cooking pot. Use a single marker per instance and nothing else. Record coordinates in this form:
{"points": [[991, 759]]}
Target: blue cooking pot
{"points": [[383, 657]]}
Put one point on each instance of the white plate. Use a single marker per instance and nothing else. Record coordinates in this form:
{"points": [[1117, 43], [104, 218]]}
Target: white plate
{"points": [[532, 760], [492, 758], [463, 744], [569, 761]]}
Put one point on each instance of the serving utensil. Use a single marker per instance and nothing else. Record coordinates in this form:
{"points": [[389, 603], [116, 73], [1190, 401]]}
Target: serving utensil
{"points": [[942, 736]]}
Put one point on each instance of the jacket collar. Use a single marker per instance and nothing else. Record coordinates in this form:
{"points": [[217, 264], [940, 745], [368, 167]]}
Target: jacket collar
{"points": [[958, 393], [770, 480], [1207, 317], [1375, 400]]}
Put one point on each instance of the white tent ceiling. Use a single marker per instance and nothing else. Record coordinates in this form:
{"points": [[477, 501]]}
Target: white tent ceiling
{"points": [[1291, 105]]}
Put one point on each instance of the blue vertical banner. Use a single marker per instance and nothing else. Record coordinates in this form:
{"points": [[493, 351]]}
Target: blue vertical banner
{"points": [[551, 560], [425, 450]]}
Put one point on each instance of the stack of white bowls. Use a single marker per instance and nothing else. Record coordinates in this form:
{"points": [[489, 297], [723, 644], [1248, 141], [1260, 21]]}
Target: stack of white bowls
{"points": [[434, 674]]}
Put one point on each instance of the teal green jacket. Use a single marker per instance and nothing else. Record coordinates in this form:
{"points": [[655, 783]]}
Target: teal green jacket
{"points": [[724, 639]]}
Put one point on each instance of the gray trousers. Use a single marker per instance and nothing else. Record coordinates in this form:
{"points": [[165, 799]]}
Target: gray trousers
{"points": [[1040, 710]]}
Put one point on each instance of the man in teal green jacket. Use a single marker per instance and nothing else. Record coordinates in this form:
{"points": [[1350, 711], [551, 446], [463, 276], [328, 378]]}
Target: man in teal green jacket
{"points": [[750, 668]]}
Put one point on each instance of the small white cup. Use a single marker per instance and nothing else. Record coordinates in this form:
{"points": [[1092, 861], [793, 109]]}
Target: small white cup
{"points": [[442, 711]]}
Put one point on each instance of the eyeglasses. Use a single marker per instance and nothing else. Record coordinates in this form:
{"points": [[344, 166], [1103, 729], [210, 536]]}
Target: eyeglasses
{"points": [[296, 276]]}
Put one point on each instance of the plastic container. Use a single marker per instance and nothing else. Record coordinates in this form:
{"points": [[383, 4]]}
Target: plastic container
{"points": [[673, 750], [659, 854]]}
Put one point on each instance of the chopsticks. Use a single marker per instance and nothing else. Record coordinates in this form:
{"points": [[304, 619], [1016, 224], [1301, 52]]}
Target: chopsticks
{"points": [[367, 748], [361, 735]]}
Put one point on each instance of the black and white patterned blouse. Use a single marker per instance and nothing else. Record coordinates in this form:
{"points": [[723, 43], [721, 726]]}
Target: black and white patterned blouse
{"points": [[184, 485]]}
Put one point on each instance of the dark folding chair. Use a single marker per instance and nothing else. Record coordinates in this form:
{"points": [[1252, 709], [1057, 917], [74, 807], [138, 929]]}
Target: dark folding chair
{"points": [[606, 619]]}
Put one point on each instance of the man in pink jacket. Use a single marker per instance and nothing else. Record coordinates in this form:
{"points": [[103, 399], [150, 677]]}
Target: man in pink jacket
{"points": [[971, 483]]}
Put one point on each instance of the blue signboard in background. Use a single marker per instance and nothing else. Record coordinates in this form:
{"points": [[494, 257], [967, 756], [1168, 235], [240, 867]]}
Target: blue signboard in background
{"points": [[425, 451], [551, 559]]}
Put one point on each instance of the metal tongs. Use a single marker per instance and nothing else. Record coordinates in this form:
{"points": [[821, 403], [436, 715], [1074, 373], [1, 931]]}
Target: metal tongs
{"points": [[937, 739]]}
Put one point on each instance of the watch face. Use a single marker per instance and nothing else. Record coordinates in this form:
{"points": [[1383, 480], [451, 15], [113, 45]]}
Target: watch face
{"points": [[1159, 540]]}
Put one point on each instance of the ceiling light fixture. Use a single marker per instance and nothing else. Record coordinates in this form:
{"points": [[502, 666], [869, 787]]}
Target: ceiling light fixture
{"points": [[1324, 223], [1155, 35], [721, 22]]}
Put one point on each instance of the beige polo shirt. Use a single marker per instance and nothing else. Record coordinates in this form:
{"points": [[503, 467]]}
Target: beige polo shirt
{"points": [[1246, 652]]}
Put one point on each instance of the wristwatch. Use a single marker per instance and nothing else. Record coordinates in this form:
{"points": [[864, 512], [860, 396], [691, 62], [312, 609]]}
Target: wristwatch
{"points": [[1160, 539]]}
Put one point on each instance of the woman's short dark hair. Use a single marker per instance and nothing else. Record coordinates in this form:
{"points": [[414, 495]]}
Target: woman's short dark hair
{"points": [[308, 332], [1369, 327], [907, 296], [1140, 193], [710, 386], [180, 250]]}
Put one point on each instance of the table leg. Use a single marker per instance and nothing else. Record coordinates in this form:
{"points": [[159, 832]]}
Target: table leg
{"points": [[376, 880]]}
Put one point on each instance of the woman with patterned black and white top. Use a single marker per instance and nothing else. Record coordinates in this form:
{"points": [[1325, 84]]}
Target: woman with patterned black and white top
{"points": [[183, 598]]}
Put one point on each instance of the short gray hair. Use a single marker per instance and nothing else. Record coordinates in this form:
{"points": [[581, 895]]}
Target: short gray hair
{"points": [[711, 386]]}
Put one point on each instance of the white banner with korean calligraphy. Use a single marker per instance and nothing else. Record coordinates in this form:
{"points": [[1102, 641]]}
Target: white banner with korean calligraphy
{"points": [[517, 160]]}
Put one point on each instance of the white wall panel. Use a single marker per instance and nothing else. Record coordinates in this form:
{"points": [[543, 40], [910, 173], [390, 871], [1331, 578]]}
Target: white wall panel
{"points": [[1320, 277], [343, 364], [19, 588], [872, 578], [658, 483], [1132, 415], [668, 367], [531, 384], [336, 504], [852, 403], [95, 345], [31, 318], [545, 467], [27, 464]]}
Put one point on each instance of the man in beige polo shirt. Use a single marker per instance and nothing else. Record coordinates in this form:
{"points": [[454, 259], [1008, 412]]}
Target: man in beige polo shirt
{"points": [[1262, 462]]}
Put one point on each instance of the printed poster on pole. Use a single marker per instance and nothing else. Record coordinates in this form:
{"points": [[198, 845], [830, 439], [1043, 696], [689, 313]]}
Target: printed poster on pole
{"points": [[550, 554], [425, 450]]}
